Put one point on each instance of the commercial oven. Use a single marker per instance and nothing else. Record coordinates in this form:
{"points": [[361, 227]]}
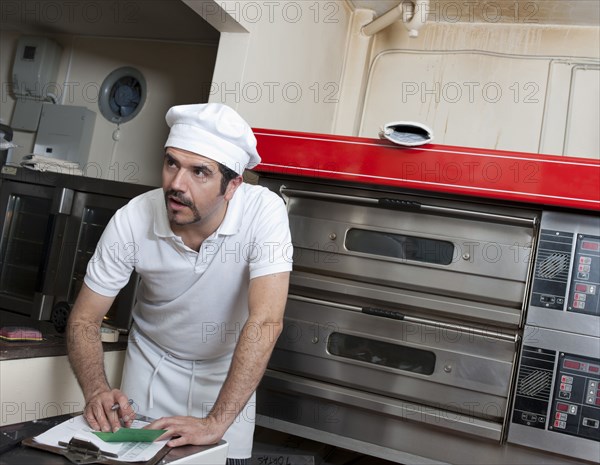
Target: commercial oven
{"points": [[50, 225], [439, 309]]}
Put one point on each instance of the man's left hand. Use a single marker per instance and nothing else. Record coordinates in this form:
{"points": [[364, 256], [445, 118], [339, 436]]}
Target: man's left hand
{"points": [[188, 430]]}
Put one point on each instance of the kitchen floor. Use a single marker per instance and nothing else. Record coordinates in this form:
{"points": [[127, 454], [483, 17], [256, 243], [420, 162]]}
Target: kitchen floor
{"points": [[276, 448]]}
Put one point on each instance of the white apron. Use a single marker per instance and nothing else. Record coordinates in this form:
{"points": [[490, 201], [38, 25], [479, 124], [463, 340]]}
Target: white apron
{"points": [[162, 385]]}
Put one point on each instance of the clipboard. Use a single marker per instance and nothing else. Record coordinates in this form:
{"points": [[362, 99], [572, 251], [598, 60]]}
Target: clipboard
{"points": [[82, 452]]}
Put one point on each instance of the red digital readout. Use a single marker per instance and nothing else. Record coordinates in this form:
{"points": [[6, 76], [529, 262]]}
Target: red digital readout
{"points": [[590, 245], [572, 364], [581, 287], [594, 369], [562, 407]]}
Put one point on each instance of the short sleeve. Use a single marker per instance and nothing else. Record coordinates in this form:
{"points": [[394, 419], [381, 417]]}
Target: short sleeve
{"points": [[110, 268], [272, 249]]}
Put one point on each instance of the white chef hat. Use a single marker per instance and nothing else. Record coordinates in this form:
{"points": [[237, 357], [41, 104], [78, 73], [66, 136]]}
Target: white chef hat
{"points": [[214, 131]]}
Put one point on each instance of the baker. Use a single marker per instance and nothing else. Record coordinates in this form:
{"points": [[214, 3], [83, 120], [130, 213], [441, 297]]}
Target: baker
{"points": [[214, 257]]}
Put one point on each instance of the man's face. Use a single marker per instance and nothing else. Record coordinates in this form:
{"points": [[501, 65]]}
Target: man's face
{"points": [[192, 187]]}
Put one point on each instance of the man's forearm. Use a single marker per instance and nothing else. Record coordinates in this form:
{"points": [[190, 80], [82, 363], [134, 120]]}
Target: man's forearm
{"points": [[87, 357], [248, 365], [83, 341]]}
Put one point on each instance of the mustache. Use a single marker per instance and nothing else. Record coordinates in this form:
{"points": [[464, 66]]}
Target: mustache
{"points": [[179, 197]]}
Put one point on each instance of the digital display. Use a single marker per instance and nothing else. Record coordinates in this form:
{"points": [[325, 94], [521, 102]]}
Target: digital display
{"points": [[589, 245]]}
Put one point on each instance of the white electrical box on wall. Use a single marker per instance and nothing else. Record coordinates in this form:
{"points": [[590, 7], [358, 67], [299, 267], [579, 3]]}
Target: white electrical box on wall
{"points": [[65, 132], [35, 68]]}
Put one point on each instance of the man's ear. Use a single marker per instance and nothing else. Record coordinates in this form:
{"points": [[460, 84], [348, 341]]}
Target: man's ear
{"points": [[232, 187]]}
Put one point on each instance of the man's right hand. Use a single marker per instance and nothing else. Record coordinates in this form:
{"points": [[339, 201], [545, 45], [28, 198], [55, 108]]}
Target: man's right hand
{"points": [[102, 414]]}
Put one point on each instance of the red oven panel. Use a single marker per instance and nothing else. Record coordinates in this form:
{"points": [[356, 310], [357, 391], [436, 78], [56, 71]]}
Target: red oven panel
{"points": [[522, 177]]}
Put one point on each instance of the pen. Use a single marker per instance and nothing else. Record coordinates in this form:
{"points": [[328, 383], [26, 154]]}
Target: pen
{"points": [[116, 406]]}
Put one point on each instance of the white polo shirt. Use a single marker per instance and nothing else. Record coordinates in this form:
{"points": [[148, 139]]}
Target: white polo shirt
{"points": [[192, 304]]}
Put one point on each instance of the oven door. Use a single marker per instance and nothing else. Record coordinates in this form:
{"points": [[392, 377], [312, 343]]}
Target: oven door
{"points": [[443, 366], [449, 260], [32, 225], [89, 216]]}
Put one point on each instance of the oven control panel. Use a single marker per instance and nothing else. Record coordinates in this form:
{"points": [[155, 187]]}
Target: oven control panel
{"points": [[567, 277], [576, 398], [571, 406], [565, 286], [557, 395]]}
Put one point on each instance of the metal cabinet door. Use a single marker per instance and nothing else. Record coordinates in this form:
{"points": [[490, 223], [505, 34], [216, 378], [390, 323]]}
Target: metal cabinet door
{"points": [[89, 216], [26, 234]]}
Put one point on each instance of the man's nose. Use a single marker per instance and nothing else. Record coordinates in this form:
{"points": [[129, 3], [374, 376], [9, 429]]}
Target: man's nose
{"points": [[179, 181]]}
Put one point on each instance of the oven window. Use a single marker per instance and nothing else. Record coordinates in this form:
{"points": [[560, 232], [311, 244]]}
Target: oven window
{"points": [[27, 225], [381, 353], [400, 246]]}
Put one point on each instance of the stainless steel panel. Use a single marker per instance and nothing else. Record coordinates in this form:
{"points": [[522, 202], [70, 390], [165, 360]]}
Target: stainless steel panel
{"points": [[63, 201], [378, 425], [411, 319], [489, 264], [587, 325], [472, 372], [384, 406], [398, 204], [410, 301], [577, 223]]}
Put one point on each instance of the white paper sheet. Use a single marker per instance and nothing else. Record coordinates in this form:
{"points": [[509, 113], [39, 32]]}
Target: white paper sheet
{"points": [[78, 426]]}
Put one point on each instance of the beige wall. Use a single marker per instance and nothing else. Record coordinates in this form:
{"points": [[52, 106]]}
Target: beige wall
{"points": [[285, 71], [175, 73], [519, 87]]}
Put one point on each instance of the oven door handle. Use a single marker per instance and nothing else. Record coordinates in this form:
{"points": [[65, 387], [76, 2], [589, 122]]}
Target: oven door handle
{"points": [[409, 205], [383, 312], [399, 204], [393, 314]]}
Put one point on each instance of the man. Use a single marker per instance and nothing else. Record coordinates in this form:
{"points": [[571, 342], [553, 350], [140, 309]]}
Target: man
{"points": [[214, 256]]}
